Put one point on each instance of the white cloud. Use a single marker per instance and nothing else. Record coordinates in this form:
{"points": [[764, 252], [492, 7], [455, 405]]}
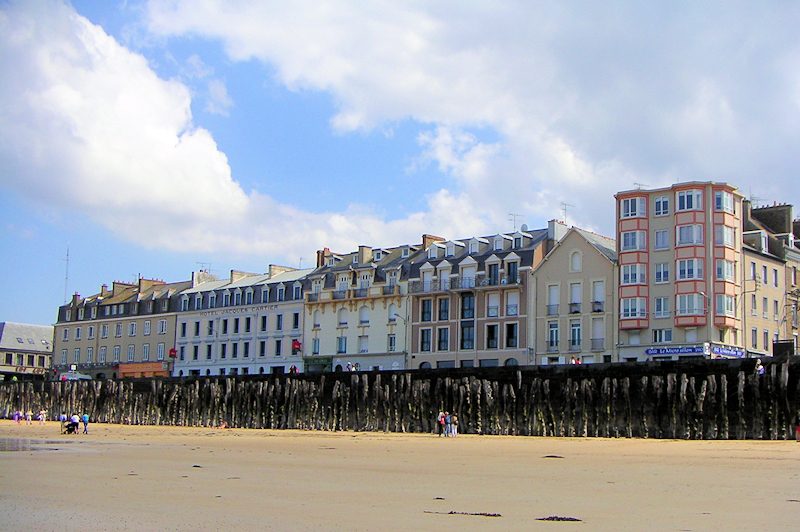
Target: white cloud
{"points": [[218, 100]]}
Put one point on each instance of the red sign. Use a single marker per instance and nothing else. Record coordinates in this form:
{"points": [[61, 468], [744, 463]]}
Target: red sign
{"points": [[173, 352], [296, 344]]}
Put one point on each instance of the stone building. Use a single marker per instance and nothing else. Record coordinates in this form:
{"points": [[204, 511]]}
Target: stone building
{"points": [[26, 351]]}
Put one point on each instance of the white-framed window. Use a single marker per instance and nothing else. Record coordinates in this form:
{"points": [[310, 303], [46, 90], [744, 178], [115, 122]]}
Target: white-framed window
{"points": [[76, 356], [723, 201], [662, 336], [198, 302], [552, 336], [131, 352], [78, 333], [391, 343], [146, 353], [662, 272], [101, 356], [575, 262], [116, 353], [473, 248], [63, 357], [726, 305], [146, 331], [118, 330], [104, 331], [633, 208], [689, 200], [65, 334], [634, 241], [184, 303], [160, 351], [661, 239], [633, 307], [341, 344], [132, 329], [661, 307], [91, 332], [689, 305], [689, 234], [162, 326], [689, 269], [726, 270], [93, 312], [633, 274], [315, 346], [80, 314], [775, 277], [661, 206], [281, 294], [724, 236]]}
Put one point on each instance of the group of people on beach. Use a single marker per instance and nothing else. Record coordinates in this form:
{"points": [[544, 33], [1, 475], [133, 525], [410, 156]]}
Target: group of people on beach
{"points": [[70, 425], [448, 424], [28, 417]]}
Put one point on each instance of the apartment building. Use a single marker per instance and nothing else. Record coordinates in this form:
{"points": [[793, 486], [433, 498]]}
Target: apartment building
{"points": [[356, 311], [469, 299], [127, 331], [26, 351], [247, 324], [574, 301]]}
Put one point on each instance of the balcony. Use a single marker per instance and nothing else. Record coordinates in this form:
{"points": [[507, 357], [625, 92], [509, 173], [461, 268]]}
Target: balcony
{"points": [[312, 297], [492, 312], [552, 310], [598, 306], [339, 294], [389, 290], [598, 344], [574, 308], [360, 292], [552, 346], [511, 310], [496, 280], [575, 345]]}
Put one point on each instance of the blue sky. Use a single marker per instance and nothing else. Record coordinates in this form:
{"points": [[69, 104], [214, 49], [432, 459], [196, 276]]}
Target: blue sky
{"points": [[150, 136]]}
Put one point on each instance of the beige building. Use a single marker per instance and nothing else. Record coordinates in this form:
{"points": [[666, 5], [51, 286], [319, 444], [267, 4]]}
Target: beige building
{"points": [[25, 351], [573, 300], [127, 331]]}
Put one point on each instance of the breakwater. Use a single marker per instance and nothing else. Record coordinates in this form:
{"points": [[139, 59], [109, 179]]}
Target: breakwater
{"points": [[703, 399]]}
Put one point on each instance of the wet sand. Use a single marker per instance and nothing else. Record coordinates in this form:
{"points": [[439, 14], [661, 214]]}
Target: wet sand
{"points": [[122, 477]]}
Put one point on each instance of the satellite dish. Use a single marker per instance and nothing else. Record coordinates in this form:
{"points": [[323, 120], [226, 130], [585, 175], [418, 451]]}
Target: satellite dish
{"points": [[524, 228]]}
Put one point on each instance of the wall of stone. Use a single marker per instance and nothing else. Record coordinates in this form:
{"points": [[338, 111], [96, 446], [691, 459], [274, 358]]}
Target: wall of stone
{"points": [[688, 400]]}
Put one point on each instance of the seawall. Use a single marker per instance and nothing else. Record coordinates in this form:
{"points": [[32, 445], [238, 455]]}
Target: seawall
{"points": [[703, 399]]}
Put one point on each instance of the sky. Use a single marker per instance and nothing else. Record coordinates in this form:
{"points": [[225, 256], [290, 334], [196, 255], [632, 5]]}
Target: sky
{"points": [[154, 138]]}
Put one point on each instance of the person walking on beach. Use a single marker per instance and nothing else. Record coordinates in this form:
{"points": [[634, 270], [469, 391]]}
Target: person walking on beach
{"points": [[42, 416], [797, 426], [454, 425], [447, 424], [17, 415], [85, 419], [759, 367], [28, 417], [440, 423]]}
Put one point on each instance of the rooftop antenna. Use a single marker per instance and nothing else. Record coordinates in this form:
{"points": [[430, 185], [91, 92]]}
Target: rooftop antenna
{"points": [[564, 208], [300, 265], [754, 200], [205, 266], [66, 275], [513, 218], [640, 186]]}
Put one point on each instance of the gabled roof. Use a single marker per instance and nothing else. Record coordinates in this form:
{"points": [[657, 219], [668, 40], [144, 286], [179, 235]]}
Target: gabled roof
{"points": [[26, 337]]}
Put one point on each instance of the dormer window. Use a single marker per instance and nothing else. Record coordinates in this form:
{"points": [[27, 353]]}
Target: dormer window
{"points": [[68, 315], [198, 302], [184, 304], [404, 253], [517, 242], [298, 293], [265, 295], [377, 256], [226, 300], [498, 244], [331, 262], [80, 313], [451, 250], [237, 298], [248, 297], [212, 300], [432, 252], [473, 248], [281, 294]]}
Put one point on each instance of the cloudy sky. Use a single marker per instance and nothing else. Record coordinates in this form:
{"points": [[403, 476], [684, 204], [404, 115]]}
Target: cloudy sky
{"points": [[155, 137]]}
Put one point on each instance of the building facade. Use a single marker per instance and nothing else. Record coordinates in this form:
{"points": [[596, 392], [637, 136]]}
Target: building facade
{"points": [[247, 324], [127, 331], [26, 351], [574, 301]]}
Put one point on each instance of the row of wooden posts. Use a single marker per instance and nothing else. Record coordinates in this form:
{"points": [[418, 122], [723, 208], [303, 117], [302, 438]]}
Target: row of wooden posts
{"points": [[688, 401]]}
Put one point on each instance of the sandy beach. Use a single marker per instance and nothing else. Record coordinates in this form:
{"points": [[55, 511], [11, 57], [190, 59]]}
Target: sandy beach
{"points": [[121, 477]]}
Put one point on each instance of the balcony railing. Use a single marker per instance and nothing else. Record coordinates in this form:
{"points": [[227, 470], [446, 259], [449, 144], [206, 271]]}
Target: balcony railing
{"points": [[339, 294], [574, 308], [389, 290], [598, 344], [552, 346], [574, 345], [511, 310], [493, 312], [360, 292], [598, 306], [552, 310], [313, 296]]}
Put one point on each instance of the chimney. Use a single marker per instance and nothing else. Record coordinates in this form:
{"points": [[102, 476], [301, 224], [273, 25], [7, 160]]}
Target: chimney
{"points": [[364, 254], [275, 269], [322, 257], [556, 230], [427, 240]]}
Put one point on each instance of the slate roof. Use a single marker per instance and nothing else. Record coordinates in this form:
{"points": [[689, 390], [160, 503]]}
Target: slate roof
{"points": [[34, 338]]}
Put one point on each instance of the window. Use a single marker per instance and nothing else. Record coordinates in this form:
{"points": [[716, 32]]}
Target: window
{"points": [[78, 333], [236, 326], [662, 336], [196, 329], [661, 206], [426, 310], [723, 201], [492, 334], [467, 335], [76, 357], [237, 299], [633, 208], [661, 239], [101, 357], [223, 350], [279, 322], [185, 304], [131, 352], [765, 307], [444, 308], [690, 269], [116, 353], [726, 270], [467, 306], [775, 309], [89, 355], [146, 331], [689, 305], [212, 301], [662, 272], [391, 343], [210, 328], [633, 274], [226, 300], [724, 236], [341, 344], [281, 294], [198, 302], [689, 234], [209, 352], [443, 339], [575, 335], [183, 330], [314, 346], [65, 335], [689, 200], [145, 352], [195, 352], [775, 277], [753, 305], [633, 307], [661, 307], [634, 240], [726, 305], [425, 340], [248, 297], [511, 335], [247, 324], [278, 348], [295, 321], [754, 338], [162, 327], [552, 336], [575, 262], [63, 357], [118, 330], [512, 272], [104, 331]]}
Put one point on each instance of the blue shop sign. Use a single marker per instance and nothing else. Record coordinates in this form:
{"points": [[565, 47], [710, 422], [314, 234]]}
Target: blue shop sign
{"points": [[727, 352], [674, 350]]}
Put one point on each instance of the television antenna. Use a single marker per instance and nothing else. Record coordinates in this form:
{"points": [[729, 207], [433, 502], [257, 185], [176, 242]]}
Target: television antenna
{"points": [[513, 218], [640, 186], [66, 274], [205, 266], [564, 208]]}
